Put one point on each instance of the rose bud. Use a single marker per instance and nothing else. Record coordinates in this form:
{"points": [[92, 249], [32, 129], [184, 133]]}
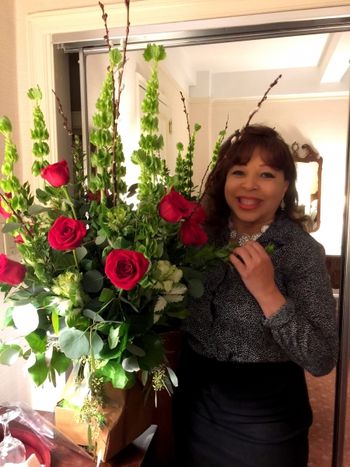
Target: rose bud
{"points": [[11, 272], [18, 239], [173, 207], [5, 214], [66, 233], [125, 268], [56, 174]]}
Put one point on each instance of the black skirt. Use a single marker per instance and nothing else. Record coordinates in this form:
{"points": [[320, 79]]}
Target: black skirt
{"points": [[229, 414]]}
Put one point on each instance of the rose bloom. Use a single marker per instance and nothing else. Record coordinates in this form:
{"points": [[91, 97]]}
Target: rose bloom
{"points": [[192, 233], [66, 233], [125, 268], [198, 214], [11, 272], [56, 174], [173, 207]]}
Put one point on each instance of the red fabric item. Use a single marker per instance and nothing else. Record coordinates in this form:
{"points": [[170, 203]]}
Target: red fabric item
{"points": [[33, 445]]}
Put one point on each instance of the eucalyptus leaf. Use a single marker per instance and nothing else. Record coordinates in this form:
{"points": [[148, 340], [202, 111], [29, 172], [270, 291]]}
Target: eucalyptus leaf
{"points": [[10, 227], [96, 344], [36, 209], [136, 350], [74, 343], [92, 315], [130, 364], [113, 337], [195, 288], [172, 376], [81, 252], [92, 281]]}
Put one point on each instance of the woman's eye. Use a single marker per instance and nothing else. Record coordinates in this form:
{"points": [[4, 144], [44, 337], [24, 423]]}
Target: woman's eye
{"points": [[267, 175], [237, 172]]}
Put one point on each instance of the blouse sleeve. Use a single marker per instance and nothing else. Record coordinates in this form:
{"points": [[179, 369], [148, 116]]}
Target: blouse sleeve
{"points": [[305, 326]]}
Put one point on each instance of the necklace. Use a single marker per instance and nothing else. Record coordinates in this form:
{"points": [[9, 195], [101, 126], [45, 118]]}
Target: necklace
{"points": [[242, 239]]}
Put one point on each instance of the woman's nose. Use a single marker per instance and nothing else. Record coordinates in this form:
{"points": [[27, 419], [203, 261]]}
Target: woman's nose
{"points": [[250, 182]]}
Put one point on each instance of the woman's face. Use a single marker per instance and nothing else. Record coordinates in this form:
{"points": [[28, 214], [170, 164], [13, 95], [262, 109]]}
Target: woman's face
{"points": [[254, 192]]}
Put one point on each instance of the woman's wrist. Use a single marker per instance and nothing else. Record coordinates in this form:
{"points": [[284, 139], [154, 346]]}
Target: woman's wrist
{"points": [[271, 302]]}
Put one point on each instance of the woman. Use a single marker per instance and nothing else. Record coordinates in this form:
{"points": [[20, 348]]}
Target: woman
{"points": [[264, 317]]}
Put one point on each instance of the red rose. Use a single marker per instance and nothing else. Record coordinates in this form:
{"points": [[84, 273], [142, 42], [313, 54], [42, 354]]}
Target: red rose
{"points": [[125, 268], [174, 207], [5, 214], [11, 272], [56, 174], [66, 233], [192, 233], [198, 215]]}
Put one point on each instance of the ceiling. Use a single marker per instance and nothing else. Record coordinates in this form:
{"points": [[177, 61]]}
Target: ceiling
{"points": [[314, 63]]}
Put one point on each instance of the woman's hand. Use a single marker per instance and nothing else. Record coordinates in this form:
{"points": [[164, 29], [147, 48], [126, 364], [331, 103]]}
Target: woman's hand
{"points": [[255, 267]]}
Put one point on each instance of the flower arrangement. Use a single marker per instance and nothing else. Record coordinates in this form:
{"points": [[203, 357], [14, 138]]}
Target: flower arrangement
{"points": [[100, 279]]}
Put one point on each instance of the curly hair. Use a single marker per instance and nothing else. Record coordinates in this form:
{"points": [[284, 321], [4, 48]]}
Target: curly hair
{"points": [[238, 149]]}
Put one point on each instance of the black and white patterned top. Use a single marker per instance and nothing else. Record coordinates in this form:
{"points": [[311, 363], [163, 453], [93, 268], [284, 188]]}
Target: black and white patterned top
{"points": [[227, 324]]}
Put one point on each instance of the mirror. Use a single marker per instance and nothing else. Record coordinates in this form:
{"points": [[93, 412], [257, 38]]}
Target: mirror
{"points": [[228, 79], [309, 175]]}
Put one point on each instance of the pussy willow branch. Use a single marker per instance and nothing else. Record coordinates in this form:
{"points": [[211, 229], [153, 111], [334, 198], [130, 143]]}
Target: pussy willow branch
{"points": [[119, 92], [104, 17], [18, 216], [262, 100], [186, 114], [64, 118], [209, 166], [116, 96]]}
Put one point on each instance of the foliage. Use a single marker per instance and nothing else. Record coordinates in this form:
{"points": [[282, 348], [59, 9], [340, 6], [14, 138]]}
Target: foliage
{"points": [[104, 278]]}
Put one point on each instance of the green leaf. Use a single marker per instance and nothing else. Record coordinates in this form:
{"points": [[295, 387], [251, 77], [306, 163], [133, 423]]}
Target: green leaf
{"points": [[92, 315], [59, 361], [114, 372], [92, 281], [195, 288], [55, 322], [136, 350], [5, 125], [96, 344], [106, 295], [36, 209], [9, 354], [74, 343], [172, 376], [113, 337], [39, 370], [81, 252], [37, 341], [10, 227], [35, 93]]}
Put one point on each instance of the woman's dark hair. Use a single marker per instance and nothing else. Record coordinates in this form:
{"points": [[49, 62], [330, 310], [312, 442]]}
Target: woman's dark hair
{"points": [[238, 150]]}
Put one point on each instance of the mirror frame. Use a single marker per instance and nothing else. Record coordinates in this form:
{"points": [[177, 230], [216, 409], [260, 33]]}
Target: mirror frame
{"points": [[265, 31], [310, 155]]}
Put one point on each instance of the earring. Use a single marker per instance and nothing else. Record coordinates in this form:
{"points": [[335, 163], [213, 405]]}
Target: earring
{"points": [[283, 204]]}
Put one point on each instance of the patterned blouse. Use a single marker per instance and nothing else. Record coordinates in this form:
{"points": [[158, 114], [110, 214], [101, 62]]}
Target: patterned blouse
{"points": [[227, 323]]}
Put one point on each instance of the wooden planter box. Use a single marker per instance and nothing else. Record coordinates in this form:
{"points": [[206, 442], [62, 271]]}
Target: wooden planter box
{"points": [[127, 418]]}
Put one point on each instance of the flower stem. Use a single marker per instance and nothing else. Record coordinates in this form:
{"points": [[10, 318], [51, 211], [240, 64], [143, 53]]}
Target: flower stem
{"points": [[65, 191]]}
